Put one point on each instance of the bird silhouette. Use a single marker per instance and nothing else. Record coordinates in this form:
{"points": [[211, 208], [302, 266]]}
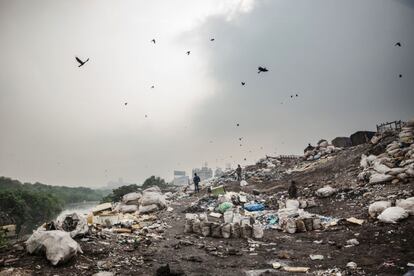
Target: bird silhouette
{"points": [[153, 40], [243, 83], [291, 96], [188, 53], [238, 124], [240, 138], [297, 95], [212, 39], [398, 44], [400, 76], [152, 86], [261, 69], [146, 116], [81, 63], [125, 103]]}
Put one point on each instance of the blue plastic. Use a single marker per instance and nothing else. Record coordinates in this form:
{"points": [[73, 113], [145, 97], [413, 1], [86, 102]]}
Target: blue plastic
{"points": [[254, 207]]}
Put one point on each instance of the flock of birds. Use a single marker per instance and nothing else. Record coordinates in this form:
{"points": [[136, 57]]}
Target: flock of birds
{"points": [[261, 69]]}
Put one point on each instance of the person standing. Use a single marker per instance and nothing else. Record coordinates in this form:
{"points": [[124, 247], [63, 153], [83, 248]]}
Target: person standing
{"points": [[196, 181], [293, 190], [239, 173]]}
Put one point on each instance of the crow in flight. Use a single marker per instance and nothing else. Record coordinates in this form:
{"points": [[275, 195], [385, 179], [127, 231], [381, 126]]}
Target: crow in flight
{"points": [[400, 76], [297, 95], [125, 103], [291, 96], [81, 63], [261, 69], [398, 44], [188, 53], [238, 124], [152, 86], [212, 39], [153, 40], [243, 83]]}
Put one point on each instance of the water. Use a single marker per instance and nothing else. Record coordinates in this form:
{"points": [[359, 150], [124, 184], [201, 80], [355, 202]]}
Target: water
{"points": [[80, 208]]}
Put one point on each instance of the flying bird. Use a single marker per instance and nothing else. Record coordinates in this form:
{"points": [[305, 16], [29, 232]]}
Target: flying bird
{"points": [[152, 86], [243, 83], [262, 69], [153, 40], [188, 53], [297, 95], [398, 44], [125, 103], [400, 76], [81, 63], [240, 138], [238, 124], [146, 116], [212, 39], [291, 96]]}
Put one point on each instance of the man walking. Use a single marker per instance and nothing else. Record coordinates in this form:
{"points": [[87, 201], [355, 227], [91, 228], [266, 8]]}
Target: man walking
{"points": [[239, 172], [196, 181]]}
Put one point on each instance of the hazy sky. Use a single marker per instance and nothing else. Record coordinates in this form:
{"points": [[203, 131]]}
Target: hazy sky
{"points": [[65, 125]]}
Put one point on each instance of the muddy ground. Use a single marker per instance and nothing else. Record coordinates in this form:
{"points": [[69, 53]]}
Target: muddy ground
{"points": [[384, 249]]}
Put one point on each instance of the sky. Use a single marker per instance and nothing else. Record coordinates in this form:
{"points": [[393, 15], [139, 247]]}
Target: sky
{"points": [[67, 125]]}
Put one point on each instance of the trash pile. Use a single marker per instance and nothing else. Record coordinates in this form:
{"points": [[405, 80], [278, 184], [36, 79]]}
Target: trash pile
{"points": [[241, 215], [130, 217], [394, 165], [385, 212], [323, 148]]}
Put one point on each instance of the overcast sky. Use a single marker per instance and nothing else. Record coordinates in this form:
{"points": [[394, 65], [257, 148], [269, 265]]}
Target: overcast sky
{"points": [[64, 125]]}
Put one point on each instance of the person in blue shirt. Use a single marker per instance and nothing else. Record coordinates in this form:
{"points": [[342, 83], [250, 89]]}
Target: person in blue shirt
{"points": [[196, 181]]}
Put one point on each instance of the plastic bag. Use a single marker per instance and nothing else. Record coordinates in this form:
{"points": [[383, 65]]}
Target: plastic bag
{"points": [[258, 231], [58, 245], [226, 230], [223, 207], [376, 208], [254, 207], [393, 215]]}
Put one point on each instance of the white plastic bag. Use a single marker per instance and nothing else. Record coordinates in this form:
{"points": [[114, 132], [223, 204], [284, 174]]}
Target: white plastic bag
{"points": [[292, 204], [393, 215], [147, 209], [131, 198], [376, 208], [58, 245], [325, 191], [406, 204], [257, 231]]}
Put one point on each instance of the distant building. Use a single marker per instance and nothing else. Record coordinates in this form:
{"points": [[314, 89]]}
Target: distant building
{"points": [[361, 137], [204, 173], [180, 179], [342, 142], [218, 172], [116, 184]]}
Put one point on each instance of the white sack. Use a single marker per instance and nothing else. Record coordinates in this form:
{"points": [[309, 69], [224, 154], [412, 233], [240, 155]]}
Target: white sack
{"points": [[376, 208], [393, 214]]}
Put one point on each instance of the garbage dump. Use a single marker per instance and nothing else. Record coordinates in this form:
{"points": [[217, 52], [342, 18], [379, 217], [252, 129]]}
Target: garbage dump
{"points": [[231, 217], [395, 161]]}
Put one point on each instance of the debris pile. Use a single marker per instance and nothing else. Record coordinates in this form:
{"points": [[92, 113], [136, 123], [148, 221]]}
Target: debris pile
{"points": [[322, 149], [396, 163]]}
